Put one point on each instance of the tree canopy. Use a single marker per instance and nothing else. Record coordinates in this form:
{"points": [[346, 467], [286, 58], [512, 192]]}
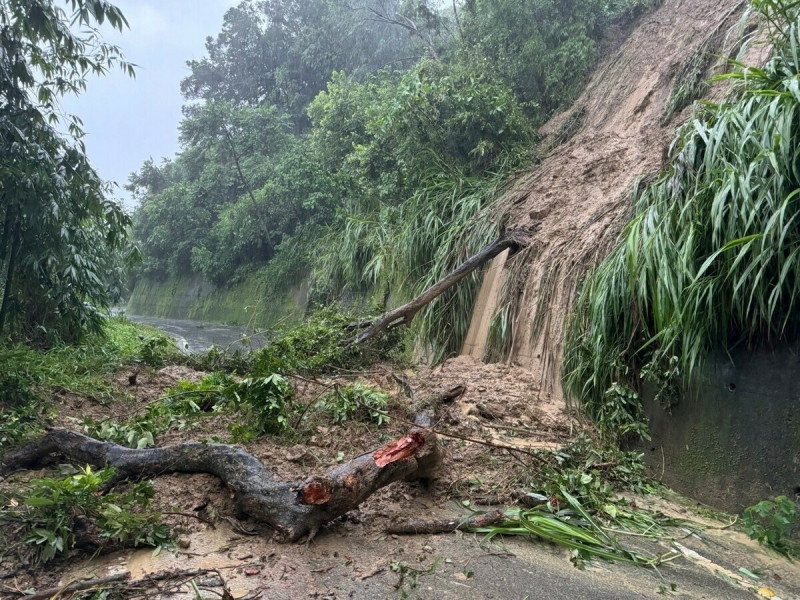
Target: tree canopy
{"points": [[60, 232], [358, 141]]}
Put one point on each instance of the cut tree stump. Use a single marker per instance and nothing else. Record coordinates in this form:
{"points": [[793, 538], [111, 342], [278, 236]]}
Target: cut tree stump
{"points": [[294, 509], [515, 239]]}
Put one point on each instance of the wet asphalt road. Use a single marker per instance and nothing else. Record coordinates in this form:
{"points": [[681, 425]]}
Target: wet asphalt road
{"points": [[197, 337]]}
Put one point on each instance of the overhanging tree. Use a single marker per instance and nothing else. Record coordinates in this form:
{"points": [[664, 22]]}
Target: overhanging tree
{"points": [[58, 227]]}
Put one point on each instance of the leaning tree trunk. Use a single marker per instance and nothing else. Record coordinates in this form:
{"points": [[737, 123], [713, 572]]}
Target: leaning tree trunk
{"points": [[293, 509], [403, 315]]}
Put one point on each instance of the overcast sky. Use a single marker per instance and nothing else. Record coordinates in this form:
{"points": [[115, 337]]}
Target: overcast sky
{"points": [[129, 120]]}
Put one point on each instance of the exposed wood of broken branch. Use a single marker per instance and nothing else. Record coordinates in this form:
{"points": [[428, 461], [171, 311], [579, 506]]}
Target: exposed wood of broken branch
{"points": [[293, 509], [403, 315]]}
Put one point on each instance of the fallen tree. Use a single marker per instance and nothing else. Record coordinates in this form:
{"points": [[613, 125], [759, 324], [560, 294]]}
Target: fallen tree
{"points": [[294, 509], [403, 315]]}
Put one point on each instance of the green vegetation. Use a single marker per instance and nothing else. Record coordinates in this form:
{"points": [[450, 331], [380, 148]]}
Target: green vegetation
{"points": [[55, 515], [261, 403], [711, 256], [416, 115], [580, 507], [369, 161], [357, 402], [30, 378], [174, 410], [61, 240], [320, 344], [262, 406], [572, 527], [771, 523], [259, 406]]}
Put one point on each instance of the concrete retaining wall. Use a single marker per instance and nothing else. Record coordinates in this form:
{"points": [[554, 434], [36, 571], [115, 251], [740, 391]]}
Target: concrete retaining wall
{"points": [[734, 438], [249, 303]]}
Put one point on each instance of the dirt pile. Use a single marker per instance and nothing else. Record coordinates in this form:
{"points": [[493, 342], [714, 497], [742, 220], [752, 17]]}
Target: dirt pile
{"points": [[580, 193], [354, 557]]}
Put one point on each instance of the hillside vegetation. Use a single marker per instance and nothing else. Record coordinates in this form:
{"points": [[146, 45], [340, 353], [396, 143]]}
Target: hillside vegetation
{"points": [[710, 258], [360, 144]]}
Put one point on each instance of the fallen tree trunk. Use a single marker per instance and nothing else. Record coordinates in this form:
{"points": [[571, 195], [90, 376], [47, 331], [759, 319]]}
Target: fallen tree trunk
{"points": [[293, 509], [403, 315]]}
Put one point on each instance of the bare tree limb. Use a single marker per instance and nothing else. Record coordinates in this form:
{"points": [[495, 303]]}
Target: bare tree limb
{"points": [[77, 586], [418, 526], [406, 23], [403, 315], [293, 508]]}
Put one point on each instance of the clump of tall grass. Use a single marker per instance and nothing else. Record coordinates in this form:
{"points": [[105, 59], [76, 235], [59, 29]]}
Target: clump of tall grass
{"points": [[399, 251], [712, 255]]}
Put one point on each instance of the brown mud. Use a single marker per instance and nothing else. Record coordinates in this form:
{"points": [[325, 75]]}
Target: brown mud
{"points": [[580, 192], [497, 404], [353, 557], [580, 195]]}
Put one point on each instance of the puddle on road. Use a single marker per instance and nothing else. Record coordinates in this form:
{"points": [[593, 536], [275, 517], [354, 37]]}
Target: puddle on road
{"points": [[209, 549]]}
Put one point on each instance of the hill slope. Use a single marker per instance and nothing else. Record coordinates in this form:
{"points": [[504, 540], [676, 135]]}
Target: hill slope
{"points": [[579, 194]]}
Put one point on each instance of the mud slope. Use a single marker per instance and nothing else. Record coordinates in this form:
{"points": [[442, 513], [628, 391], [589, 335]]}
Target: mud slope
{"points": [[580, 193]]}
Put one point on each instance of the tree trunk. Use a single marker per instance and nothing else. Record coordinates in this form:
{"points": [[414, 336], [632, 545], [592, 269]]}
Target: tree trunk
{"points": [[8, 225], [403, 315], [293, 509], [261, 221], [9, 282]]}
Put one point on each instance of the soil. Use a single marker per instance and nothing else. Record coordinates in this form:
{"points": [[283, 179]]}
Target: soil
{"points": [[580, 192], [496, 407], [353, 557]]}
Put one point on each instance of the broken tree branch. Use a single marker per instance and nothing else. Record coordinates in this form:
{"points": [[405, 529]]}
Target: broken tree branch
{"points": [[416, 526], [77, 586], [403, 315], [293, 509]]}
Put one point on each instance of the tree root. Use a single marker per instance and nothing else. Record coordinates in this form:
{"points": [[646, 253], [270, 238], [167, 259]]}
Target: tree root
{"points": [[294, 509]]}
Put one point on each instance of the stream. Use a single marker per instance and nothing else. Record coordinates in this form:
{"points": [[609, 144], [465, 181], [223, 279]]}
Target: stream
{"points": [[197, 337]]}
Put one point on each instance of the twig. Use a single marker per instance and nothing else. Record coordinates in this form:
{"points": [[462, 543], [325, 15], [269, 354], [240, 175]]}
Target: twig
{"points": [[76, 587], [415, 527], [306, 408], [193, 516], [403, 382], [139, 409]]}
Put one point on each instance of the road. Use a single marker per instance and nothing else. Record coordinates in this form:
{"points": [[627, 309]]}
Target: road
{"points": [[197, 337]]}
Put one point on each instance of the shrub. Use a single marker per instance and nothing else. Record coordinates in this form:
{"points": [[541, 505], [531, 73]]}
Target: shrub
{"points": [[263, 406], [770, 523], [357, 402], [53, 514]]}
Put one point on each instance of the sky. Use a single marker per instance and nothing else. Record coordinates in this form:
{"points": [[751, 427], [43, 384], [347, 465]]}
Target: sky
{"points": [[129, 120]]}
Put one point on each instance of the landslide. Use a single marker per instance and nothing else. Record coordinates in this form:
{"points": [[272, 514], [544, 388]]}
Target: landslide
{"points": [[579, 194]]}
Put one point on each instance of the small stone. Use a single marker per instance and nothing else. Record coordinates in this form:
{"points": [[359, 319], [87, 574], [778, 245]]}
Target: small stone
{"points": [[251, 572], [427, 549], [184, 543], [297, 453]]}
